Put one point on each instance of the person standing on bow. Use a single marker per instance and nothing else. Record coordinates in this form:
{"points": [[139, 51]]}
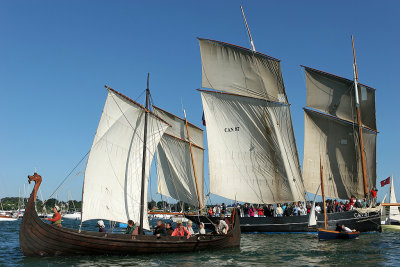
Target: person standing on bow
{"points": [[56, 220]]}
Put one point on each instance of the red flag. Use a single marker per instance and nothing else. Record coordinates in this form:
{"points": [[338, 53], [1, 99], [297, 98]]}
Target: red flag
{"points": [[203, 119], [385, 182]]}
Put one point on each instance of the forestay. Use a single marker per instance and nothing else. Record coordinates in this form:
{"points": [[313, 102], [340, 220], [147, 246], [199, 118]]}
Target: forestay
{"points": [[238, 70], [113, 175], [252, 152], [175, 171], [335, 142], [334, 95]]}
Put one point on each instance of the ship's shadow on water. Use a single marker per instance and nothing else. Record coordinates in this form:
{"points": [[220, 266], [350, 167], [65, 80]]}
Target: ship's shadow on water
{"points": [[374, 249]]}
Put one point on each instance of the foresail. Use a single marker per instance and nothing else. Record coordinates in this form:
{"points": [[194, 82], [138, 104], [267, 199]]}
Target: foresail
{"points": [[113, 173], [252, 152], [234, 69], [176, 177], [334, 95], [334, 142]]}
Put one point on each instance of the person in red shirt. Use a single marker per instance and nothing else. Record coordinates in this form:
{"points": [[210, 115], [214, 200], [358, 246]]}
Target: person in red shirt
{"points": [[56, 220], [373, 194], [210, 211], [260, 211], [181, 230]]}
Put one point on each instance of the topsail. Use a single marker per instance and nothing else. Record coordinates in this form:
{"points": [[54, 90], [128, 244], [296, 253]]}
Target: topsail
{"points": [[252, 150], [113, 173]]}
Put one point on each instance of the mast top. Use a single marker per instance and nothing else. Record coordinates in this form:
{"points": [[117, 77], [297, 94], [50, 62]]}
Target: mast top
{"points": [[253, 48]]}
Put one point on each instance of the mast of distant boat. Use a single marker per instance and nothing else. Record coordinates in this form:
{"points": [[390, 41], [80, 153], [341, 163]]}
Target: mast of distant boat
{"points": [[144, 155]]}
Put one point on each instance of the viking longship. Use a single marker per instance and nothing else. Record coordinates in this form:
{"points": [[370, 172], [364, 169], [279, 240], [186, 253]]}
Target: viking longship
{"points": [[253, 156], [115, 186]]}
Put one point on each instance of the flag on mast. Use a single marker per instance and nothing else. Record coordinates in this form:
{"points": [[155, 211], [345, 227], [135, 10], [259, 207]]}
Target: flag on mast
{"points": [[385, 182]]}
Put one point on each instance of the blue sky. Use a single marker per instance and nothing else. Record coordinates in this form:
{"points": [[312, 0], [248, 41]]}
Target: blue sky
{"points": [[56, 57]]}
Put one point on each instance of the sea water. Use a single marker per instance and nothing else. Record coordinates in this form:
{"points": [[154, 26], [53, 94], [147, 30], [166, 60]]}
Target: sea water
{"points": [[370, 249]]}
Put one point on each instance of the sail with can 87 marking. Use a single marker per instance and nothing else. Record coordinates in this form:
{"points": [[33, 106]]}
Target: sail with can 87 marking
{"points": [[252, 150]]}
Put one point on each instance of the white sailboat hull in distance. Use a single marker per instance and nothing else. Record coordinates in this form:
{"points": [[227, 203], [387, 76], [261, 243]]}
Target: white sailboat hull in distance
{"points": [[72, 216], [7, 219]]}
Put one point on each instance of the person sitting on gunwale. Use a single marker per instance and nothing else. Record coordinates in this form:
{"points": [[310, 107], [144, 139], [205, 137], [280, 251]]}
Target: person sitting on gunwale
{"points": [[169, 230], [347, 229], [56, 220], [181, 230], [102, 227], [160, 229], [338, 228], [130, 228]]}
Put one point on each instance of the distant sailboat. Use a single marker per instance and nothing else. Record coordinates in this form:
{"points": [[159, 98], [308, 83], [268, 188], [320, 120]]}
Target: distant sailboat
{"points": [[392, 222]]}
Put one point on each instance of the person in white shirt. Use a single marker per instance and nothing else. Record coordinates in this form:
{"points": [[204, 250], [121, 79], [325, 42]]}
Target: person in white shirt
{"points": [[317, 209], [221, 227], [189, 227], [202, 231], [347, 229]]}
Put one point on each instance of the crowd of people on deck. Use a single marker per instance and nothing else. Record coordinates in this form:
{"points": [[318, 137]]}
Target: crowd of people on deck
{"points": [[296, 208]]}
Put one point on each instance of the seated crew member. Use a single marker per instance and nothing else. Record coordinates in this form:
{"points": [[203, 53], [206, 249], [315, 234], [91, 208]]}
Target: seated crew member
{"points": [[130, 228], [160, 229], [226, 221], [221, 227], [181, 230], [347, 229], [169, 230], [338, 228], [101, 226], [56, 220], [189, 227], [202, 231]]}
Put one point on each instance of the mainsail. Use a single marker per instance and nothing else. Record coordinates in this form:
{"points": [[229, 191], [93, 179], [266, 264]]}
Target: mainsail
{"points": [[113, 176], [175, 170], [331, 134], [252, 150]]}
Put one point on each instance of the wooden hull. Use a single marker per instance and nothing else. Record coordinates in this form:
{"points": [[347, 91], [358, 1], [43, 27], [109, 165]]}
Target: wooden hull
{"points": [[363, 222], [331, 235], [41, 239]]}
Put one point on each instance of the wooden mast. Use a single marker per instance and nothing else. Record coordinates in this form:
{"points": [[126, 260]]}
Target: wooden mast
{"points": [[142, 200], [194, 167], [253, 48], [323, 193], [360, 131]]}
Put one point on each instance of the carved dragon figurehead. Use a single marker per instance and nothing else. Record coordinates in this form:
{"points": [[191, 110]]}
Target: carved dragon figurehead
{"points": [[38, 180]]}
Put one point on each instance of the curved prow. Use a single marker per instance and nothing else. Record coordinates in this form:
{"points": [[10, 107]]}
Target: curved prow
{"points": [[38, 180]]}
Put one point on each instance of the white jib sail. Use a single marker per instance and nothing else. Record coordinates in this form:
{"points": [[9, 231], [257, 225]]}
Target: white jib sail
{"points": [[394, 210], [113, 175], [312, 219]]}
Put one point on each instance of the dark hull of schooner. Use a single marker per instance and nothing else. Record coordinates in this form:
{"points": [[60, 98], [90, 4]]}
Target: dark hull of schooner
{"points": [[41, 239], [363, 222]]}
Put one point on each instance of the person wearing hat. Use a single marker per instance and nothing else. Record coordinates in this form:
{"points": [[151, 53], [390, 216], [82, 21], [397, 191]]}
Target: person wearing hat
{"points": [[56, 220], [181, 230], [102, 227], [202, 231]]}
